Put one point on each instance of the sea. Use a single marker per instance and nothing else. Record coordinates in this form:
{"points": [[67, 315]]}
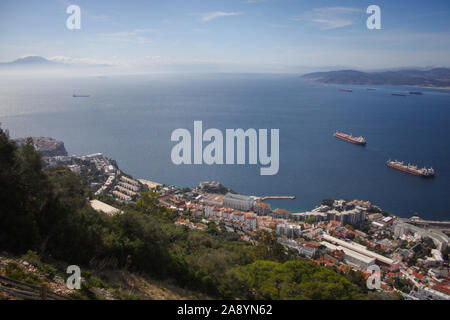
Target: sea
{"points": [[131, 118]]}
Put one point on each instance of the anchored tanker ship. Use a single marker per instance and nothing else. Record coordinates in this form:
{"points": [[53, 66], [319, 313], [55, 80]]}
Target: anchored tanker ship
{"points": [[350, 138], [412, 169]]}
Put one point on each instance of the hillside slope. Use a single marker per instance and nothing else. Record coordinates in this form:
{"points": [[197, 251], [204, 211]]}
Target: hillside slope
{"points": [[434, 78]]}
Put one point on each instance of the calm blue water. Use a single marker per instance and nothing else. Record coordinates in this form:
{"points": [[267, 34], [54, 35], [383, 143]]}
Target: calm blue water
{"points": [[131, 120]]}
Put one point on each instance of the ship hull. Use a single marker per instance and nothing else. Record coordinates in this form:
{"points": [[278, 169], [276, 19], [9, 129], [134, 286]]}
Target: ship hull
{"points": [[406, 170], [350, 140]]}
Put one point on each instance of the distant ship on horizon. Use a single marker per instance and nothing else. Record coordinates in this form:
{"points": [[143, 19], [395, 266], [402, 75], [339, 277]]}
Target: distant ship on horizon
{"points": [[346, 90], [81, 96], [399, 94], [350, 138], [412, 169]]}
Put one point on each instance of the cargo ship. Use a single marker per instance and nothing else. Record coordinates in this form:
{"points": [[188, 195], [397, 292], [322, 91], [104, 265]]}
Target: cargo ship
{"points": [[350, 138], [412, 169], [419, 93], [346, 90], [81, 96], [399, 94]]}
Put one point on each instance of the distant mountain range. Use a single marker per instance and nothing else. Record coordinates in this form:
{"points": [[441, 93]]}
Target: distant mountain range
{"points": [[37, 62], [32, 60], [433, 78], [31, 63]]}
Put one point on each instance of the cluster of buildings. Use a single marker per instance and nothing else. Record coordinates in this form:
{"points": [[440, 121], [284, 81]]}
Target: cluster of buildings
{"points": [[304, 248], [358, 254], [427, 281], [172, 201], [403, 230], [423, 292], [319, 240], [231, 217], [100, 174], [328, 235], [339, 234], [126, 189], [353, 212]]}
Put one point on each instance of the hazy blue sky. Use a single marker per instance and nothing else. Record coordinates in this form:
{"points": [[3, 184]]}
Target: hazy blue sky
{"points": [[231, 35]]}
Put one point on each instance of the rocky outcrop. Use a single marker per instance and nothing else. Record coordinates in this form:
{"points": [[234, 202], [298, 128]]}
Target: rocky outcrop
{"points": [[48, 147]]}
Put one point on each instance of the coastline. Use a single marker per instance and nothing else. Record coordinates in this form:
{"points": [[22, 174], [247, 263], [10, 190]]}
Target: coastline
{"points": [[447, 88], [424, 87], [412, 218]]}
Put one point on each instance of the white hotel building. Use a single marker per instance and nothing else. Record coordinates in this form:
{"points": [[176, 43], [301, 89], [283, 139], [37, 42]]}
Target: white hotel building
{"points": [[238, 202]]}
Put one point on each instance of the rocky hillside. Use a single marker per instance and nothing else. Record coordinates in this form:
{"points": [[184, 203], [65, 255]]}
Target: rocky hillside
{"points": [[23, 277], [48, 147], [433, 78]]}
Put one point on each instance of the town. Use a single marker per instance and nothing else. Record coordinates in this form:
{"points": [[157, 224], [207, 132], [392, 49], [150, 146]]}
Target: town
{"points": [[339, 234]]}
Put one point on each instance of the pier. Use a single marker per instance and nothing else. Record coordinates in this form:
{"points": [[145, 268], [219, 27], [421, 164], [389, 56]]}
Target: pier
{"points": [[276, 197], [432, 224]]}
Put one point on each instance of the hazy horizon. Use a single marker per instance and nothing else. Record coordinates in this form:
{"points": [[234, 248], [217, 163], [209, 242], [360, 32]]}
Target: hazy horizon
{"points": [[238, 36], [12, 68]]}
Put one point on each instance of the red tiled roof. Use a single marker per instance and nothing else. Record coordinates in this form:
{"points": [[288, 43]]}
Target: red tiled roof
{"points": [[442, 288]]}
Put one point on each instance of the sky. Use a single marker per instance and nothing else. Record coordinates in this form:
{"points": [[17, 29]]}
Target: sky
{"points": [[230, 35]]}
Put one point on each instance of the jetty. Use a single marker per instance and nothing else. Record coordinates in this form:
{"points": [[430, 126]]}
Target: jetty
{"points": [[276, 197]]}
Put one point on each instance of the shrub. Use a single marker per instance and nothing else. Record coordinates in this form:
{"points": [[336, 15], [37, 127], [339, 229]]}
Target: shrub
{"points": [[16, 272]]}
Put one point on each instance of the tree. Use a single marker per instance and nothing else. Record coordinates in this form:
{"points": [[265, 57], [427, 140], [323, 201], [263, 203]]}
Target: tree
{"points": [[350, 227], [148, 201], [290, 280], [268, 247], [327, 202], [21, 189]]}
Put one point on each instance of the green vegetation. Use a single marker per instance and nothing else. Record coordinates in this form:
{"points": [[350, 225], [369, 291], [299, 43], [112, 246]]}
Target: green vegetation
{"points": [[48, 212], [33, 258], [122, 294], [327, 202], [289, 280], [16, 272], [217, 189], [400, 284], [350, 227]]}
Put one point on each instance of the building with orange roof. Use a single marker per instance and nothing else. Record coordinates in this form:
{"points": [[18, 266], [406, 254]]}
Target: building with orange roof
{"points": [[214, 199], [281, 213], [262, 208]]}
